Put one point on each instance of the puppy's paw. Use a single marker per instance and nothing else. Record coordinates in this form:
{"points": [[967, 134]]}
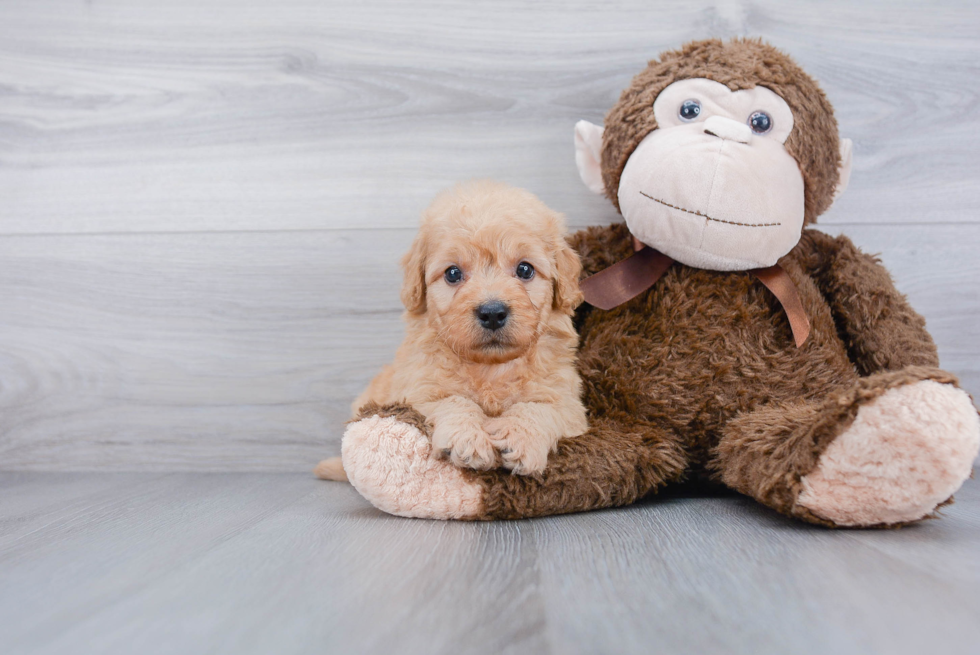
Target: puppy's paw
{"points": [[523, 450], [466, 446]]}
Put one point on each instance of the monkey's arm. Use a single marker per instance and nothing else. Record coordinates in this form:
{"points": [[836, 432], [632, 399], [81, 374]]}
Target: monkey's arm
{"points": [[881, 330]]}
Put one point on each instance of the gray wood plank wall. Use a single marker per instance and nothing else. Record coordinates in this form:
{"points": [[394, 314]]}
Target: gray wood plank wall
{"points": [[202, 203]]}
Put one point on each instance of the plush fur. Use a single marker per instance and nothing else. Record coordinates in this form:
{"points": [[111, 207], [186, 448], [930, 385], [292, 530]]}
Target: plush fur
{"points": [[374, 450], [503, 396], [700, 377], [687, 383], [897, 448], [738, 64]]}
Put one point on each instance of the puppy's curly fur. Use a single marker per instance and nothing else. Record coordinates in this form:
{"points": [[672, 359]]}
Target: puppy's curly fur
{"points": [[496, 391]]}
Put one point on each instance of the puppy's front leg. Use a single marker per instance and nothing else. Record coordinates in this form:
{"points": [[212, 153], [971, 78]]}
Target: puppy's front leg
{"points": [[458, 432], [527, 432]]}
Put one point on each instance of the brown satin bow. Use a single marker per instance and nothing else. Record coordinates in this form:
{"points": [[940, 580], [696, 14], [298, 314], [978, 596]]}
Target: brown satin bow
{"points": [[632, 276]]}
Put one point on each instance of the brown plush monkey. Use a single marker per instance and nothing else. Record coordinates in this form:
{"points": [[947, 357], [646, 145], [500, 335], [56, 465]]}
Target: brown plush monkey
{"points": [[737, 345]]}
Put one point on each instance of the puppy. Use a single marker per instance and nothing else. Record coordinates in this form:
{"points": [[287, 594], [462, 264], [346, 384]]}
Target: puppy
{"points": [[489, 357]]}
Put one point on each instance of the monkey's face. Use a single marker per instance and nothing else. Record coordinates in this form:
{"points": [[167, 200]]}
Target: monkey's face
{"points": [[713, 186]]}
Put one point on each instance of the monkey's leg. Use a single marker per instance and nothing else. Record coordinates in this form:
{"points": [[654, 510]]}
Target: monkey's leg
{"points": [[387, 457], [886, 451]]}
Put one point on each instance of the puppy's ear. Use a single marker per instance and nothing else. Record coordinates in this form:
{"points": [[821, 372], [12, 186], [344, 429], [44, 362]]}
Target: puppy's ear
{"points": [[568, 268], [413, 285]]}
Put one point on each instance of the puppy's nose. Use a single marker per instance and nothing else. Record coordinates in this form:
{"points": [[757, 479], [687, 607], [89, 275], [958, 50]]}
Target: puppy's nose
{"points": [[492, 315]]}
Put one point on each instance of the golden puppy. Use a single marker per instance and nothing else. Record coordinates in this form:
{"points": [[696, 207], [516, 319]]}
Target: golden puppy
{"points": [[489, 357]]}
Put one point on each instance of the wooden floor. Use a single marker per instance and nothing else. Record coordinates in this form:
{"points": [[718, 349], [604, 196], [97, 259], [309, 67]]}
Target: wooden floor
{"points": [[281, 563]]}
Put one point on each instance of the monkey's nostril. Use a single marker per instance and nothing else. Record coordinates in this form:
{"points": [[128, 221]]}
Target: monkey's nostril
{"points": [[726, 128], [492, 315]]}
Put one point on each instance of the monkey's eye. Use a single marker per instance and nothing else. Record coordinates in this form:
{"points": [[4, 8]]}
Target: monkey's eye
{"points": [[760, 122], [690, 109], [525, 271], [453, 274]]}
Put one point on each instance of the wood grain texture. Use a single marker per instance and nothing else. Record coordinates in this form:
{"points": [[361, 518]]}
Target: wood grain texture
{"points": [[202, 203], [194, 116], [190, 351], [281, 563], [243, 351]]}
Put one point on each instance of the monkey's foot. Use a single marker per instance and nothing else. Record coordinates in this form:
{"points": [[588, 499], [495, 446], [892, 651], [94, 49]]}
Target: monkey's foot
{"points": [[904, 454], [389, 463]]}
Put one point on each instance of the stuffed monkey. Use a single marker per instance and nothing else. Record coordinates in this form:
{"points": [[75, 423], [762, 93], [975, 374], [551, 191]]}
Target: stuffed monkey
{"points": [[723, 340]]}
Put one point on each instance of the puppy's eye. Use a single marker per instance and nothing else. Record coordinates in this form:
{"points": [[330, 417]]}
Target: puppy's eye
{"points": [[525, 271], [453, 274]]}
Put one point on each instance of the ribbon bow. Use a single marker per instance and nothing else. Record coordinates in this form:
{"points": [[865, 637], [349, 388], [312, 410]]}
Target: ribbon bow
{"points": [[629, 278]]}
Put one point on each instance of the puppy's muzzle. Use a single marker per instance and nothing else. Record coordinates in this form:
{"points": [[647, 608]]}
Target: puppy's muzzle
{"points": [[492, 315]]}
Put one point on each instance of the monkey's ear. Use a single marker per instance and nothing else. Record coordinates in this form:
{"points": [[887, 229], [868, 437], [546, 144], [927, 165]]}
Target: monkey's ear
{"points": [[846, 157], [588, 155], [413, 286]]}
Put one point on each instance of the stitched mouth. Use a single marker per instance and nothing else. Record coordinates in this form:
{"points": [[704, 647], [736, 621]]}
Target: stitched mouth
{"points": [[705, 216]]}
